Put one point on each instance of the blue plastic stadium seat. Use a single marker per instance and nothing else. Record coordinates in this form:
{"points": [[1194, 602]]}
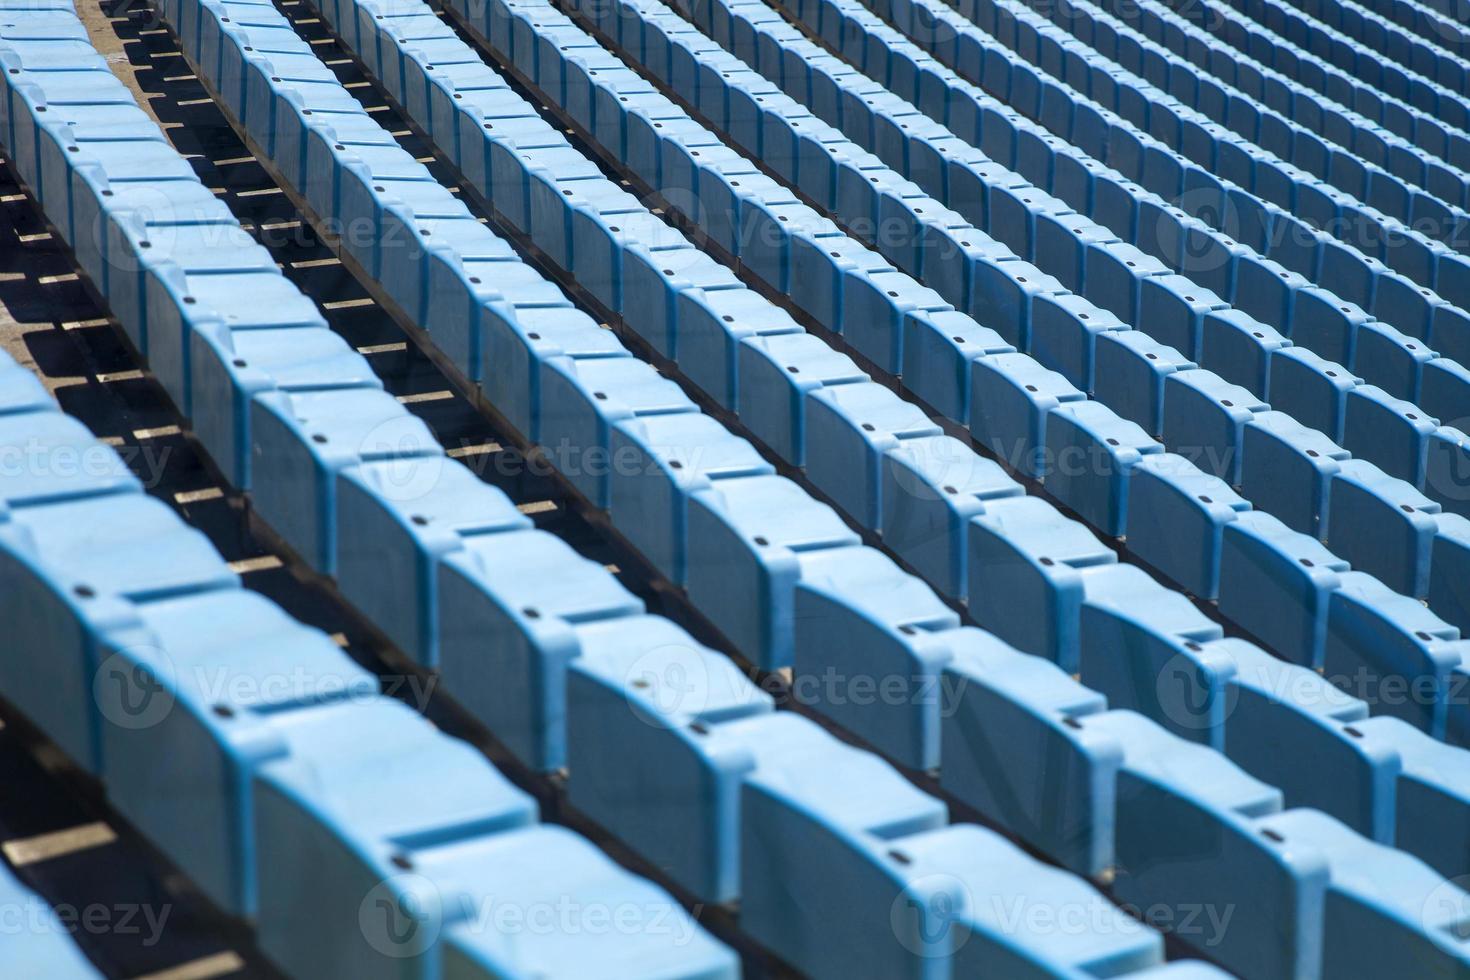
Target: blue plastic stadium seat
{"points": [[161, 697], [1277, 709], [1326, 324], [801, 837], [1449, 588], [1382, 526], [229, 367], [1311, 389], [807, 831], [1114, 272], [1172, 310], [582, 400], [1012, 399], [1178, 518], [423, 804], [1029, 568], [404, 515], [1189, 824], [1002, 295], [712, 325], [749, 539], [514, 600], [72, 561], [1394, 651], [931, 487], [660, 732], [1276, 583], [1383, 908], [1444, 391], [937, 351], [1388, 431], [303, 440], [1288, 469], [514, 338], [1132, 371], [1091, 456], [1239, 349], [1264, 288], [1390, 359], [850, 428], [776, 373], [1205, 418], [865, 630], [1447, 470], [1064, 332], [1012, 724], [1143, 647], [657, 462]]}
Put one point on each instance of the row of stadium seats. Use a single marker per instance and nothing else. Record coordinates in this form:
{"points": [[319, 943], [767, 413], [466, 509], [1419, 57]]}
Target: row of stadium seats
{"points": [[294, 793], [1447, 66], [646, 25], [1072, 610], [1061, 334], [715, 749], [1262, 105], [1316, 391], [1194, 116], [1269, 216], [1398, 360], [1361, 61], [1200, 184], [292, 784], [1286, 435], [1441, 21], [1449, 8], [1438, 128], [1040, 611], [359, 26], [1147, 743]]}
